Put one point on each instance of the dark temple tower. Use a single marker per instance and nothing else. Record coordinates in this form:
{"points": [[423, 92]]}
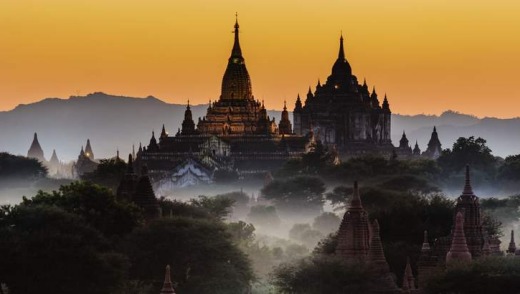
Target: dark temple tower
{"points": [[285, 127], [297, 116], [468, 204], [344, 114], [353, 235], [434, 146], [88, 150], [188, 126], [36, 151]]}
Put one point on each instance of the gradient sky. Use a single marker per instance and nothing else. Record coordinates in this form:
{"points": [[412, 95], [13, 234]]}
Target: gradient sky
{"points": [[428, 56]]}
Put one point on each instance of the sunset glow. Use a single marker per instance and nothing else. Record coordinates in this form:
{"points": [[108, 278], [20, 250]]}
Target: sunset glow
{"points": [[428, 56]]}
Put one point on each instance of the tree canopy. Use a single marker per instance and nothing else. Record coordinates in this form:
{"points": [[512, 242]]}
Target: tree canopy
{"points": [[95, 204], [201, 252], [108, 173], [302, 194], [20, 168], [45, 249]]}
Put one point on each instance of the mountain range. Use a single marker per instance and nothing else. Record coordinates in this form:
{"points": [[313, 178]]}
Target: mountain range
{"points": [[116, 123]]}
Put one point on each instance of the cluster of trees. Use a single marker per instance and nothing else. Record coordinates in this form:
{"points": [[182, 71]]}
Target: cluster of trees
{"points": [[447, 171], [80, 239]]}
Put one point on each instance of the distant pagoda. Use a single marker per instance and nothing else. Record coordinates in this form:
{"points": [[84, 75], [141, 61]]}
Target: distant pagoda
{"points": [[36, 151], [353, 234]]}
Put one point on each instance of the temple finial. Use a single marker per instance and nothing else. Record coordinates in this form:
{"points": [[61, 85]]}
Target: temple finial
{"points": [[167, 285], [467, 183], [341, 54], [236, 52]]}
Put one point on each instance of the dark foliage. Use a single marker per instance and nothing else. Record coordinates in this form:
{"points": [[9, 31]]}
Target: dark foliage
{"points": [[323, 274], [20, 168], [302, 194], [95, 204], [108, 173], [201, 250], [47, 250], [484, 275]]}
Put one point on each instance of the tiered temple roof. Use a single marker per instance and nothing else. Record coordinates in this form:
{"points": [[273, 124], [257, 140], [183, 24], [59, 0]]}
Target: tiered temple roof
{"points": [[353, 235], [469, 205], [36, 151], [459, 249], [167, 285]]}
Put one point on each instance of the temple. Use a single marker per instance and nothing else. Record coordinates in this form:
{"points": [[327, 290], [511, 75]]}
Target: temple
{"points": [[344, 114], [36, 151], [139, 190], [236, 137], [167, 285], [354, 231], [358, 241]]}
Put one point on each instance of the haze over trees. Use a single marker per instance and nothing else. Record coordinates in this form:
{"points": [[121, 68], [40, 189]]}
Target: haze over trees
{"points": [[225, 243]]}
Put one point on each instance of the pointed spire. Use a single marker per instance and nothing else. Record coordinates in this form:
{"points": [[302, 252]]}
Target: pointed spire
{"points": [[365, 83], [133, 150], [163, 132], [512, 245], [130, 165], [408, 279], [459, 247], [376, 254], [54, 157], [341, 54], [467, 186], [167, 285], [355, 202], [319, 84], [386, 105], [36, 151], [236, 52], [88, 150], [284, 105]]}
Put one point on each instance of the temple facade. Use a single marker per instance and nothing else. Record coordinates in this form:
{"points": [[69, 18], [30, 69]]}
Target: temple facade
{"points": [[236, 136], [344, 114]]}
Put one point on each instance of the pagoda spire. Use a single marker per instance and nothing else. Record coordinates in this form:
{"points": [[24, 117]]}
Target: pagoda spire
{"points": [[54, 157], [130, 165], [376, 255], [512, 246], [163, 132], [167, 285], [408, 279], [341, 53], [353, 234], [459, 247], [88, 150], [36, 151], [237, 51], [467, 184]]}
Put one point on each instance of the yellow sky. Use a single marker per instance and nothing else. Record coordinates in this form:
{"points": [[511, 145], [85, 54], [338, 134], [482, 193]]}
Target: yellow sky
{"points": [[429, 56]]}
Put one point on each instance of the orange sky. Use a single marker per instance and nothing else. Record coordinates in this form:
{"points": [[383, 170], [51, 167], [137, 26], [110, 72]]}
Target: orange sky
{"points": [[428, 55]]}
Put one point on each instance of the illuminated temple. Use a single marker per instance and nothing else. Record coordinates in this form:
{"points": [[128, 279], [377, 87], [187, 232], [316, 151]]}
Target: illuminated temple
{"points": [[236, 136]]}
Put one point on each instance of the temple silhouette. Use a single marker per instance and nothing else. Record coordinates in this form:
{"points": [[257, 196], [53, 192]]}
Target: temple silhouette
{"points": [[236, 137]]}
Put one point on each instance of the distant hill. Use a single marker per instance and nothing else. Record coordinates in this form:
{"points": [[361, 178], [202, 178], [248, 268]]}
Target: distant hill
{"points": [[115, 122]]}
